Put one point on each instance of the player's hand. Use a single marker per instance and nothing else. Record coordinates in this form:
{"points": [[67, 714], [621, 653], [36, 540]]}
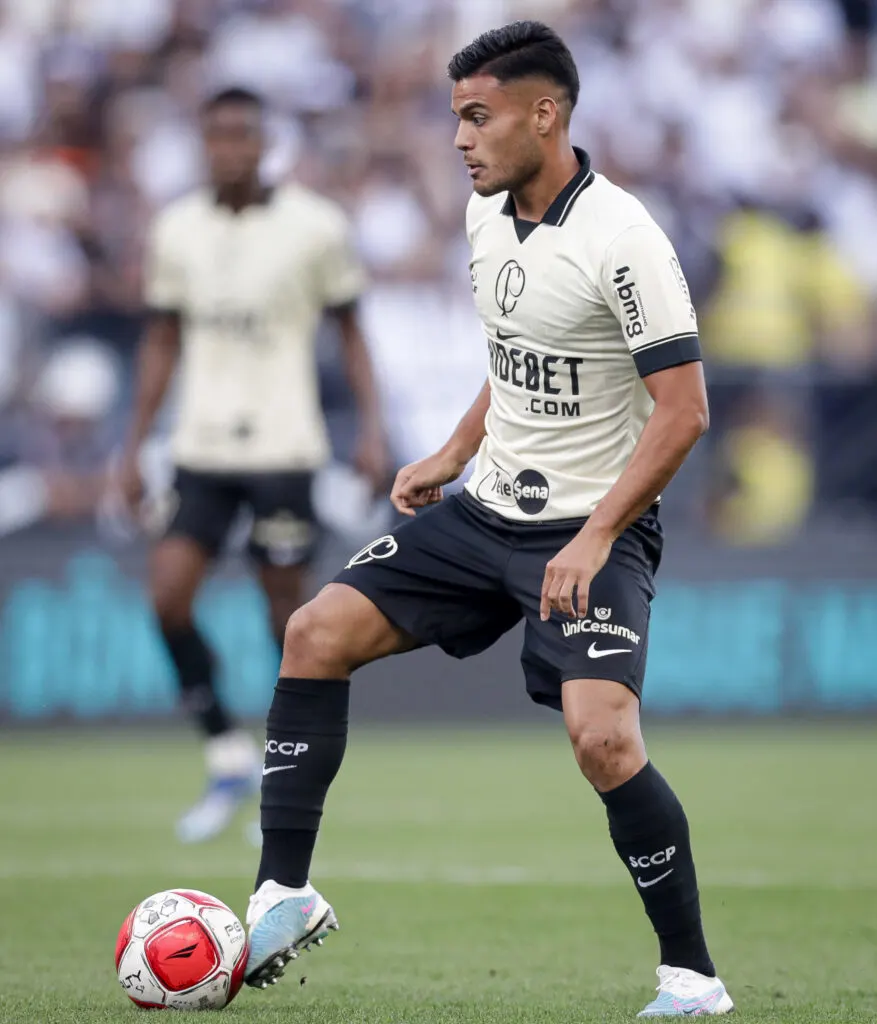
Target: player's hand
{"points": [[372, 459], [568, 575], [420, 483]]}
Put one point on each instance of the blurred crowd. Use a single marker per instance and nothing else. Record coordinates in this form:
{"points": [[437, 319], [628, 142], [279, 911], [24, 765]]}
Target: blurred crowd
{"points": [[748, 127]]}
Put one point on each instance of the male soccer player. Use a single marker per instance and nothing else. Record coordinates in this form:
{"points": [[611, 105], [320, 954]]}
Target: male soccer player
{"points": [[238, 276], [594, 398]]}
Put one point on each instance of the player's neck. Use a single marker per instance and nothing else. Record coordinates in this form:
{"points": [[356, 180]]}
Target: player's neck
{"points": [[239, 196], [532, 201]]}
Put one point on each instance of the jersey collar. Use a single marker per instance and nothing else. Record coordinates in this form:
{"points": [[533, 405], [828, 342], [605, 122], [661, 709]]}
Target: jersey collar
{"points": [[264, 197], [557, 213]]}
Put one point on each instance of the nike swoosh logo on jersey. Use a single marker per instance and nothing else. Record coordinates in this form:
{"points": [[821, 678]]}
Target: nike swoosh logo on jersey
{"points": [[653, 881], [595, 652], [278, 768], [506, 337]]}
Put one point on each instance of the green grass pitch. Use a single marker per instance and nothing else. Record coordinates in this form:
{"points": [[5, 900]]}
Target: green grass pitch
{"points": [[471, 871]]}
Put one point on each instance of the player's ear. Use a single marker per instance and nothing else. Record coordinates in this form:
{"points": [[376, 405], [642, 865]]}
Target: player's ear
{"points": [[546, 114]]}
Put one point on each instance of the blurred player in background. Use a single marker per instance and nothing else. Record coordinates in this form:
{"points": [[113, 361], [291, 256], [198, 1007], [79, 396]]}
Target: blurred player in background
{"points": [[238, 276], [595, 397]]}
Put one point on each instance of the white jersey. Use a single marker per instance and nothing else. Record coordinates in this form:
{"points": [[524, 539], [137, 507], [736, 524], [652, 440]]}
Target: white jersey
{"points": [[250, 288], [577, 309]]}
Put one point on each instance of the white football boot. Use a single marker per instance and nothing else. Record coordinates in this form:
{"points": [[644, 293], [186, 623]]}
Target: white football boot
{"points": [[685, 993], [234, 772], [283, 922]]}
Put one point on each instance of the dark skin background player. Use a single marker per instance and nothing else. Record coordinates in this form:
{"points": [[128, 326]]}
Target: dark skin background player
{"points": [[234, 141], [514, 136]]}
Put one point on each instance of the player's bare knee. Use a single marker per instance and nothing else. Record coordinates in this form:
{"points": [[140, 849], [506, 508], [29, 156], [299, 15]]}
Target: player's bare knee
{"points": [[606, 752], [173, 613], [313, 648]]}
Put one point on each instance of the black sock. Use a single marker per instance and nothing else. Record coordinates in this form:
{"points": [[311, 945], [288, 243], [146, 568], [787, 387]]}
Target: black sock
{"points": [[195, 673], [650, 832], [307, 735]]}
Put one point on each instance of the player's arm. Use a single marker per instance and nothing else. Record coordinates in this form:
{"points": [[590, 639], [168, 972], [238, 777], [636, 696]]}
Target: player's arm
{"points": [[420, 483], [643, 286], [372, 457], [159, 350], [157, 360], [340, 281], [679, 418]]}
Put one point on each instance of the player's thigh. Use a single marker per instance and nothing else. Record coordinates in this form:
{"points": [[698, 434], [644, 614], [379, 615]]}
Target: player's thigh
{"points": [[611, 642], [338, 631], [202, 508], [439, 578], [177, 566], [285, 529], [284, 587]]}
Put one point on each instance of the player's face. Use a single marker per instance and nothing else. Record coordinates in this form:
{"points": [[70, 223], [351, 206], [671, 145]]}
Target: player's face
{"points": [[234, 143], [497, 133]]}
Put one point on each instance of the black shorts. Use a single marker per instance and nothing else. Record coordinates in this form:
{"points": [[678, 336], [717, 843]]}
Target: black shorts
{"points": [[459, 576], [284, 529]]}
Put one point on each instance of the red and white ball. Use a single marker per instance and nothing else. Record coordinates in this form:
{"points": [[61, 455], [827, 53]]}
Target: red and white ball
{"points": [[183, 950]]}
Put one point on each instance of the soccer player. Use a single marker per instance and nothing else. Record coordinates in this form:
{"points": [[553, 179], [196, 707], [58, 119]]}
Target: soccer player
{"points": [[238, 276], [594, 398]]}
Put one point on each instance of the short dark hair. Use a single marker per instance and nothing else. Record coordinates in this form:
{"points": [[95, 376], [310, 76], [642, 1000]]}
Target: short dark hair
{"points": [[520, 50], [233, 95]]}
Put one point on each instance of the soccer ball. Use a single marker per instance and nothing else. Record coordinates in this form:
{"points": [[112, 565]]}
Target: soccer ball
{"points": [[182, 950]]}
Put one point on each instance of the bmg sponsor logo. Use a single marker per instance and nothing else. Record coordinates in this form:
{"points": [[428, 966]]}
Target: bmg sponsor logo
{"points": [[631, 303]]}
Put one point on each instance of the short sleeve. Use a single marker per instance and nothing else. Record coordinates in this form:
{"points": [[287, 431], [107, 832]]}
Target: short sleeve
{"points": [[163, 277], [645, 288], [341, 273]]}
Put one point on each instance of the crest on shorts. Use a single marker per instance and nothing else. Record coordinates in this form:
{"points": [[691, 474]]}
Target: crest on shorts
{"points": [[602, 614], [383, 547]]}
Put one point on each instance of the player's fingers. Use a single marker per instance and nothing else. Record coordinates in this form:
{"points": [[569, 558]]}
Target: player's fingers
{"points": [[401, 502], [564, 596], [544, 600], [582, 598]]}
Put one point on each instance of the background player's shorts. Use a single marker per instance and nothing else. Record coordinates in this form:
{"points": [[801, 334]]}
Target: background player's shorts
{"points": [[284, 529], [459, 576]]}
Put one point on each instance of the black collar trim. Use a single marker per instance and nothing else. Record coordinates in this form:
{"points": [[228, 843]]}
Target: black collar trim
{"points": [[263, 197], [557, 213]]}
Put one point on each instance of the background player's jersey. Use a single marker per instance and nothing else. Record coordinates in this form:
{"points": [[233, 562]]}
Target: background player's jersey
{"points": [[250, 288], [576, 310]]}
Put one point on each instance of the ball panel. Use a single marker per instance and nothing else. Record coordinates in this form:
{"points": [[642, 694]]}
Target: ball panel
{"points": [[201, 899], [227, 930], [137, 979], [237, 975], [212, 995], [124, 937], [182, 954]]}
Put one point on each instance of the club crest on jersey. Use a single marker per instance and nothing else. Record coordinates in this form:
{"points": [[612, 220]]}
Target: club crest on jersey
{"points": [[510, 283], [383, 547], [529, 491]]}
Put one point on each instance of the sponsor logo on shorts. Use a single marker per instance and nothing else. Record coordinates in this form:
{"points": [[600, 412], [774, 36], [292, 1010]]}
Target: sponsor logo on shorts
{"points": [[383, 547], [284, 537], [606, 628], [529, 491]]}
